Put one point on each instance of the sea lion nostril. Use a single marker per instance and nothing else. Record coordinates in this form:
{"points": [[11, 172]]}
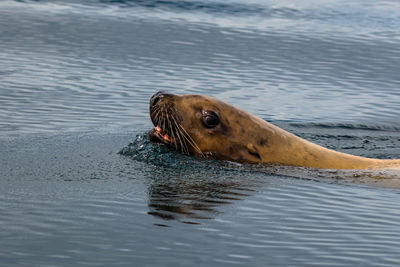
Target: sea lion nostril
{"points": [[157, 97], [154, 100]]}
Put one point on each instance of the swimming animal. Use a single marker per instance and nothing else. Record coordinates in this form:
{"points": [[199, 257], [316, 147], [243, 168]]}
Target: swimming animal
{"points": [[209, 128]]}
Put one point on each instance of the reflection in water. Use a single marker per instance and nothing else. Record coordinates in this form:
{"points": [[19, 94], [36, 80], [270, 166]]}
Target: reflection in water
{"points": [[183, 187], [185, 197], [191, 196], [187, 189]]}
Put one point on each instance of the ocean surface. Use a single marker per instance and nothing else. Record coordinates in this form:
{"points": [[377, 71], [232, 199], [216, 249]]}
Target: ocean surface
{"points": [[81, 185]]}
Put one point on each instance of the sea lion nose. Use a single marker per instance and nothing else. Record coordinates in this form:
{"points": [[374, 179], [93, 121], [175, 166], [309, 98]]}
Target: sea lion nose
{"points": [[157, 97]]}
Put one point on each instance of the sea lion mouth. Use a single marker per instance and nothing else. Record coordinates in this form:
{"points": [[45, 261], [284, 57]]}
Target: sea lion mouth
{"points": [[158, 135]]}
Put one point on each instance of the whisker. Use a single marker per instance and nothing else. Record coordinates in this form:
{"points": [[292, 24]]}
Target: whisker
{"points": [[183, 145], [175, 132], [163, 119], [171, 131], [187, 139], [193, 143], [154, 114], [156, 108]]}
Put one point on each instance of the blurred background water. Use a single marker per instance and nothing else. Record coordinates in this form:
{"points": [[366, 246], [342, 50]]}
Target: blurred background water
{"points": [[75, 81]]}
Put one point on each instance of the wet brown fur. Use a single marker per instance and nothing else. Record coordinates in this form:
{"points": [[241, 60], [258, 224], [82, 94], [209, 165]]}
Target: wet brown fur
{"points": [[243, 137]]}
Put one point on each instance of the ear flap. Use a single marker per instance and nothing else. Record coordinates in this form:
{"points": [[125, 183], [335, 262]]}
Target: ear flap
{"points": [[253, 151]]}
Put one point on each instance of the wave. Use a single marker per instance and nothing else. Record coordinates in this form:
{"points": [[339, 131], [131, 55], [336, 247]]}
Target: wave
{"points": [[207, 7], [372, 18], [346, 126]]}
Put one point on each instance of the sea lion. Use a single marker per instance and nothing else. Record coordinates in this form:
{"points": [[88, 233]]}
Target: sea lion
{"points": [[207, 127]]}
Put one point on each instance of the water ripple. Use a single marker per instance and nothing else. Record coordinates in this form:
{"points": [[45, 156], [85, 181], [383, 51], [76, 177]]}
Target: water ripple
{"points": [[75, 81], [79, 195]]}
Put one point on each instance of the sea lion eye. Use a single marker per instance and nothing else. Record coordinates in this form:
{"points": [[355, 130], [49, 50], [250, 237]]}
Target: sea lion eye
{"points": [[210, 119]]}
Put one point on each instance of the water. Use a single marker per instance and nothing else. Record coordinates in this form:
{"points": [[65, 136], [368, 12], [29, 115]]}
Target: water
{"points": [[80, 183]]}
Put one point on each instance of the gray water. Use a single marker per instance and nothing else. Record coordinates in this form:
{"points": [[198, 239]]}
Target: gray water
{"points": [[80, 184]]}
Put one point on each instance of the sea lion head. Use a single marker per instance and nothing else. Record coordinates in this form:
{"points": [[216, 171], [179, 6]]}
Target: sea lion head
{"points": [[204, 126]]}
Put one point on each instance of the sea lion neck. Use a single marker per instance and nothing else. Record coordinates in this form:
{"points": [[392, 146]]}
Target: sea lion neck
{"points": [[285, 148]]}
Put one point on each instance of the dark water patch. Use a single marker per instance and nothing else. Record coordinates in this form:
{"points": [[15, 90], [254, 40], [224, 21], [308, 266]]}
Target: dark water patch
{"points": [[175, 208], [142, 149]]}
